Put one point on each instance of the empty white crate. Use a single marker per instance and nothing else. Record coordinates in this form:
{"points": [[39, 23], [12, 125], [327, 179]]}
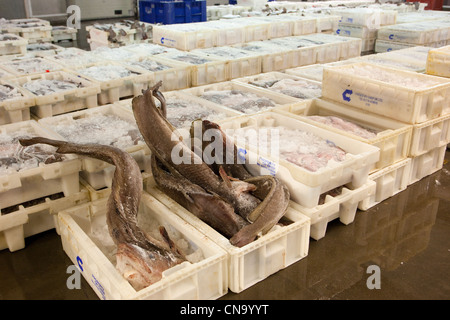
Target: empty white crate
{"points": [[382, 90], [46, 179], [427, 163], [63, 101], [99, 173], [343, 205], [290, 85], [206, 279], [438, 62], [204, 70], [15, 108], [28, 66], [304, 185], [113, 86], [279, 248], [393, 138], [429, 135], [272, 99], [240, 63], [173, 75], [33, 218], [12, 44], [389, 181]]}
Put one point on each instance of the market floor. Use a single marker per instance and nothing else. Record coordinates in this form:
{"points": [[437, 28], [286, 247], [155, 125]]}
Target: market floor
{"points": [[401, 246]]}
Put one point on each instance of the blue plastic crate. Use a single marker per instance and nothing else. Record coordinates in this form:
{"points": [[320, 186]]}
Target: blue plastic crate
{"points": [[171, 12]]}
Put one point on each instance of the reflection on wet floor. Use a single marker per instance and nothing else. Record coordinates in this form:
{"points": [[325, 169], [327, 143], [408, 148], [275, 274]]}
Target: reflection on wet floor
{"points": [[405, 236]]}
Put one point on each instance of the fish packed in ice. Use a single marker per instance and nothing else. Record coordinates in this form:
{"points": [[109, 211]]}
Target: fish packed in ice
{"points": [[300, 89], [40, 47], [76, 57], [149, 65], [107, 72], [15, 158], [8, 92], [45, 87], [102, 129], [28, 66], [190, 58], [346, 125], [245, 102], [8, 37]]}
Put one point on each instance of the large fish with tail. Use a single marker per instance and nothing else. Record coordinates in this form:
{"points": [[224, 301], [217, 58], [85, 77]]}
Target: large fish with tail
{"points": [[141, 258], [209, 191]]}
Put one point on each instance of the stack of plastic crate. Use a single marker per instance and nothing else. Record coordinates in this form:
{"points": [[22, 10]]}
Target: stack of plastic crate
{"points": [[34, 30], [12, 44], [421, 101], [364, 23], [64, 33]]}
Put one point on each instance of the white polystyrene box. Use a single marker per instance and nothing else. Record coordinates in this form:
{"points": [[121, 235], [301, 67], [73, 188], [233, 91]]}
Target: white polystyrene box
{"points": [[203, 280]]}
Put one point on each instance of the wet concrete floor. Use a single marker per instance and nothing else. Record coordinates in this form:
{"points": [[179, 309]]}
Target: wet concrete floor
{"points": [[406, 236]]}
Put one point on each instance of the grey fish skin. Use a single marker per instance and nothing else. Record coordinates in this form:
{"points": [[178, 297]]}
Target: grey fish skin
{"points": [[126, 190], [157, 133], [209, 208]]}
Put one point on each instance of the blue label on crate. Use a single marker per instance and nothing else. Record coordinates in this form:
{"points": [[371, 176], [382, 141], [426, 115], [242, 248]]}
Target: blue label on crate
{"points": [[346, 95], [80, 263], [391, 36], [99, 287], [168, 42]]}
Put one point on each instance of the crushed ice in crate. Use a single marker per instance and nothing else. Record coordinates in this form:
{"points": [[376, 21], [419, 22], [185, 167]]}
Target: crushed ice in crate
{"points": [[116, 54], [345, 125], [107, 72], [45, 87], [392, 77], [40, 47], [77, 57], [149, 65], [8, 92], [300, 89], [245, 102], [14, 157], [35, 65], [8, 37], [181, 113], [190, 58], [302, 148], [100, 129]]}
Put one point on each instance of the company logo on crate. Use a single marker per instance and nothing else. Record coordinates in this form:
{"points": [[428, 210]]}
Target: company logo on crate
{"points": [[346, 95], [391, 36], [80, 263], [168, 42]]}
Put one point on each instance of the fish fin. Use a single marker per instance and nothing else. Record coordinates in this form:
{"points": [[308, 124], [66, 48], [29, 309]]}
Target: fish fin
{"points": [[170, 242], [224, 176]]}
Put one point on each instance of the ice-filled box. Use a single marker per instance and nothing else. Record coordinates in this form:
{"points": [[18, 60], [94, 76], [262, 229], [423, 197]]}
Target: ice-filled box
{"points": [[59, 92], [310, 160], [173, 75], [240, 63], [74, 57], [356, 31], [438, 62], [33, 172], [116, 81], [43, 49], [392, 137], [240, 97], [149, 48], [204, 70], [33, 217], [185, 36], [86, 241], [34, 30], [119, 54], [255, 30], [290, 85], [105, 125], [282, 246], [389, 59], [12, 44], [28, 66], [15, 103], [425, 32], [182, 109], [339, 203], [402, 95]]}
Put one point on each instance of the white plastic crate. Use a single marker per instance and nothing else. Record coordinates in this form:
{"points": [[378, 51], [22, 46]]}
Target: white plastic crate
{"points": [[240, 63], [15, 109], [290, 85], [74, 57], [98, 173], [4, 75], [414, 55], [324, 22], [255, 30], [427, 163], [204, 70], [174, 76], [429, 135], [34, 30], [415, 33], [356, 31], [206, 279], [226, 33], [387, 46], [388, 91], [388, 59], [31, 218], [438, 62], [101, 33], [184, 36], [343, 206], [63, 33], [366, 17], [54, 103], [305, 185], [254, 262], [368, 45], [43, 49], [312, 72], [393, 138], [12, 44], [389, 181], [113, 87], [46, 179], [29, 66], [275, 100]]}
